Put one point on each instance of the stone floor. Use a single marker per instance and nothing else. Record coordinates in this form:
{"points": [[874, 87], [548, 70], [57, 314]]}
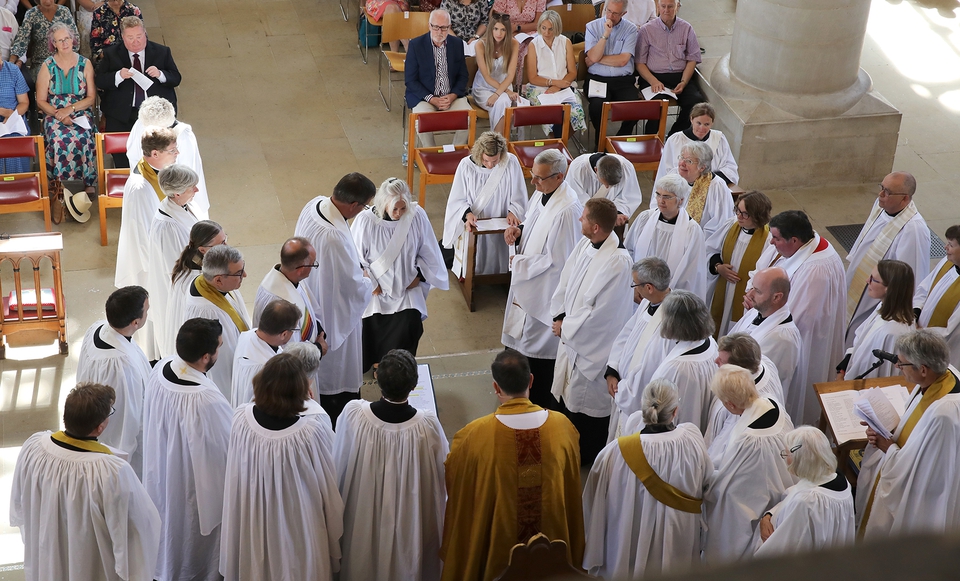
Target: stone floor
{"points": [[283, 106]]}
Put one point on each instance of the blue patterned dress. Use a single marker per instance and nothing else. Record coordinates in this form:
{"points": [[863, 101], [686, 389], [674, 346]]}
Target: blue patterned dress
{"points": [[71, 151]]}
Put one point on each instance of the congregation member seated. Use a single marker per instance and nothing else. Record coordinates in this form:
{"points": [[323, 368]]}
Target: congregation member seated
{"points": [[642, 499], [610, 176], [258, 345], [14, 98], [710, 203], [497, 55], [376, 9], [936, 301], [204, 235], [32, 38], [702, 118], [610, 44], [551, 68], [105, 25], [816, 513], [468, 18], [524, 14], [892, 282]]}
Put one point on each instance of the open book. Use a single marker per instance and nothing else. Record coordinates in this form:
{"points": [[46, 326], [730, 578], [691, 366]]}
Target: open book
{"points": [[878, 410], [885, 405]]}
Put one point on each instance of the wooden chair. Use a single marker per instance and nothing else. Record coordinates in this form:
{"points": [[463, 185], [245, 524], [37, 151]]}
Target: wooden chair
{"points": [[527, 150], [473, 69], [575, 17], [111, 180], [438, 164], [643, 151], [540, 558], [397, 26], [28, 191]]}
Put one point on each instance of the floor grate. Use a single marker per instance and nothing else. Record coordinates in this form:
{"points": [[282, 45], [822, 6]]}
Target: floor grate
{"points": [[847, 234]]}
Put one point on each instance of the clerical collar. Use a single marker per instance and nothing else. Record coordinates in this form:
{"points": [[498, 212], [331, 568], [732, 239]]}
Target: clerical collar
{"points": [[657, 429], [759, 319], [276, 267], [748, 231], [546, 198], [669, 221], [88, 438], [690, 135], [173, 378], [652, 309], [894, 215], [597, 245]]}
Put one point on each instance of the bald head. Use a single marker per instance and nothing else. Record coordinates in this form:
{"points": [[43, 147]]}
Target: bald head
{"points": [[297, 255], [771, 290], [896, 192]]}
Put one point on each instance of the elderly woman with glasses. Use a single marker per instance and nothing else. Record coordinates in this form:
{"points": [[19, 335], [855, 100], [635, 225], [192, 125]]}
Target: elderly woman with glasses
{"points": [[105, 25]]}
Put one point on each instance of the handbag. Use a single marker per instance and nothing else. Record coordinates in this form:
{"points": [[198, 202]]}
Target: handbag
{"points": [[369, 34], [57, 208]]}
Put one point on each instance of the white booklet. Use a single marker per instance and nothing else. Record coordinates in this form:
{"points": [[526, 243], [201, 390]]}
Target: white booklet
{"points": [[881, 409], [839, 408], [648, 93], [492, 224], [13, 124], [562, 96]]}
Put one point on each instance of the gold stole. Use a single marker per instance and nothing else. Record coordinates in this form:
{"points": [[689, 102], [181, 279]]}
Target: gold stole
{"points": [[210, 292], [632, 450], [948, 302], [698, 196], [758, 241], [150, 174], [87, 445]]}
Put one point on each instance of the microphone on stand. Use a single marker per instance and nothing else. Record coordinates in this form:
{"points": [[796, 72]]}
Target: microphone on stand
{"points": [[884, 356]]}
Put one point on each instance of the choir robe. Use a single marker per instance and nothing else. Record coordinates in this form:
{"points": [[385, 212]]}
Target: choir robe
{"points": [[82, 515], [926, 299], [389, 474], [723, 162], [810, 518], [277, 286], [687, 260], [626, 195], [510, 195], [109, 358], [169, 236], [282, 513], [341, 292], [197, 306], [629, 533], [780, 342], [691, 373], [550, 234], [177, 301], [594, 297], [251, 355], [186, 431], [910, 245], [875, 333], [749, 480], [189, 156], [717, 209], [504, 486], [768, 386]]}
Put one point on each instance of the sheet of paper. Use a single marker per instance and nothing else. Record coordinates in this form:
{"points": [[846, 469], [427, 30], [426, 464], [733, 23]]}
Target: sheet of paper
{"points": [[141, 79], [898, 395], [13, 124], [82, 121], [563, 96], [492, 224], [838, 407], [469, 49], [522, 36], [597, 89], [423, 397], [521, 102], [648, 93], [449, 148]]}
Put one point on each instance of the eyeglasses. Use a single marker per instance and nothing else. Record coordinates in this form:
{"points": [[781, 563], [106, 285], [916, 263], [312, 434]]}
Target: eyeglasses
{"points": [[900, 364], [297, 330], [544, 178], [314, 265], [67, 40], [885, 192], [664, 197], [436, 28], [639, 284], [240, 274], [740, 214], [498, 17], [785, 453], [876, 280], [680, 158], [612, 13]]}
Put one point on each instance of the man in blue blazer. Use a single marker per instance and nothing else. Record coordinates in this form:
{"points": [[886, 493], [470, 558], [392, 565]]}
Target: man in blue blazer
{"points": [[436, 73]]}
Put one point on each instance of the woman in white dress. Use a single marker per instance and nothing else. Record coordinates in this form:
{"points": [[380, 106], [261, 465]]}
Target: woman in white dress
{"points": [[552, 67], [496, 68], [892, 282], [702, 117], [816, 513], [204, 235]]}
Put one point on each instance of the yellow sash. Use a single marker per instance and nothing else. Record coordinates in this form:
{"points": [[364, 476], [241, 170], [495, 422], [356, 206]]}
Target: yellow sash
{"points": [[698, 196], [632, 450], [750, 257], [210, 292], [88, 445], [948, 302], [150, 174]]}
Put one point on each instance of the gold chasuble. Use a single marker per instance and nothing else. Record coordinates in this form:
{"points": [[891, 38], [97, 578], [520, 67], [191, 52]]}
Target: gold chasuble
{"points": [[150, 174], [210, 292], [665, 493], [758, 241], [506, 485]]}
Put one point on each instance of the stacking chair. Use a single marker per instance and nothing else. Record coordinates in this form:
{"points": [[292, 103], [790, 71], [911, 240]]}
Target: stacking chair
{"points": [[396, 26], [472, 71], [527, 150], [643, 151], [111, 180], [438, 164], [25, 192], [575, 17]]}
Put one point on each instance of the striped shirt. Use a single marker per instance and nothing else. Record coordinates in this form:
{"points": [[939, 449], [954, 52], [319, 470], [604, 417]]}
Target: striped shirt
{"points": [[442, 83], [667, 50]]}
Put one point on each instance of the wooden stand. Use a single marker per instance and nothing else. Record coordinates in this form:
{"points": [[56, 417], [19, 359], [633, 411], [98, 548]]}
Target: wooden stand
{"points": [[32, 317], [470, 279]]}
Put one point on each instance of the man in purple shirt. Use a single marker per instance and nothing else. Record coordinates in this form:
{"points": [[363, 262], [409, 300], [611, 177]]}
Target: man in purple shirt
{"points": [[666, 57]]}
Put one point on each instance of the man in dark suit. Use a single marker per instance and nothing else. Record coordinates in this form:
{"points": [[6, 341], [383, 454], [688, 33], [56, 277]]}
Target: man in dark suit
{"points": [[120, 96], [436, 73]]}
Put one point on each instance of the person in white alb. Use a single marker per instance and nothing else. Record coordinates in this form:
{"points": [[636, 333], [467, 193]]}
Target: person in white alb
{"points": [[610, 176], [256, 346], [937, 300], [204, 235], [702, 117]]}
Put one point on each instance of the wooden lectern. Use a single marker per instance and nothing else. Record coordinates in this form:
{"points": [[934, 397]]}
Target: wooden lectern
{"points": [[32, 308], [470, 279]]}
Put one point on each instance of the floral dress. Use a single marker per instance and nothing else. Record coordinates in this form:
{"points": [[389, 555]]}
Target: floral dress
{"points": [[105, 29], [466, 19], [71, 153], [33, 35]]}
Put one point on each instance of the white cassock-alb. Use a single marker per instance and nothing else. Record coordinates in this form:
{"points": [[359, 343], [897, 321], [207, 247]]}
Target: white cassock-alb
{"points": [[875, 333], [911, 244], [177, 301], [594, 297], [390, 475], [189, 156], [186, 431], [109, 358], [169, 236], [550, 234], [282, 513], [749, 480], [681, 245], [197, 306], [82, 515], [251, 355], [723, 162], [341, 293], [690, 365], [779, 341], [930, 292], [276, 286], [487, 193], [626, 195], [629, 533], [717, 208], [811, 517], [768, 385]]}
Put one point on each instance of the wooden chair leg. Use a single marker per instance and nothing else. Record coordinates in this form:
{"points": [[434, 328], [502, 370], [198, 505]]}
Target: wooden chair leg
{"points": [[423, 189], [46, 216], [103, 220]]}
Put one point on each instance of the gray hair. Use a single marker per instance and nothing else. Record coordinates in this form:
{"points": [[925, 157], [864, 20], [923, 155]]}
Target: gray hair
{"points": [[554, 19], [734, 385], [675, 185], [217, 261], [702, 152], [685, 317], [659, 402], [609, 169], [307, 354], [813, 460], [489, 143], [552, 157], [176, 179], [57, 27], [654, 271], [743, 349], [391, 191], [925, 347], [439, 12], [157, 111]]}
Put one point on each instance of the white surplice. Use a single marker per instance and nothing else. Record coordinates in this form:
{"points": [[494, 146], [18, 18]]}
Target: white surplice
{"points": [[626, 195], [177, 301], [118, 362], [251, 355], [722, 155], [189, 156], [875, 333], [691, 373], [186, 430], [810, 518], [686, 254], [169, 236], [768, 385], [926, 299], [282, 513], [629, 533], [717, 209], [594, 297], [550, 234], [390, 475], [779, 341], [82, 515], [277, 286], [510, 195], [341, 293]]}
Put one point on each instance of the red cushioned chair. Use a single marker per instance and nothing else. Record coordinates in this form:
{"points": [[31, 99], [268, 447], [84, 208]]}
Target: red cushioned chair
{"points": [[527, 150], [643, 151], [111, 180], [436, 165], [25, 192]]}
